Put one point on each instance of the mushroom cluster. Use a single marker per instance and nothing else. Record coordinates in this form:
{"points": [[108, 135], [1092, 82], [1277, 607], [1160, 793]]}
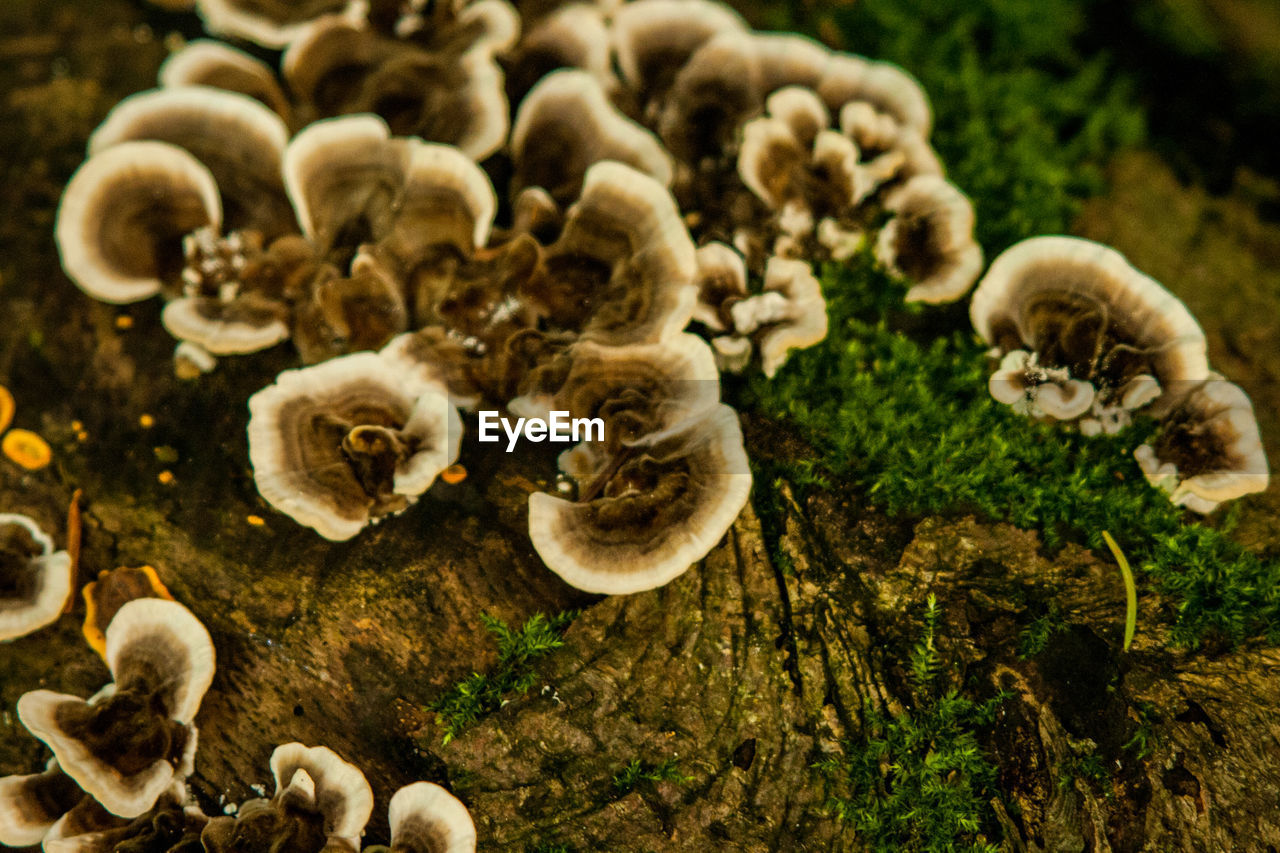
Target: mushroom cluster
{"points": [[1083, 337], [116, 780], [126, 748]]}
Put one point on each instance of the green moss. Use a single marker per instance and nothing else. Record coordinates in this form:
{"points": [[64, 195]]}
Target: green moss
{"points": [[637, 772], [483, 693], [918, 781], [1025, 119], [1036, 634], [907, 416]]}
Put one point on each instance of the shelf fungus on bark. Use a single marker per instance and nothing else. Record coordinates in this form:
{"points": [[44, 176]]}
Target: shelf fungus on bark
{"points": [[30, 805], [929, 241], [635, 390], [426, 818], [207, 62], [169, 827], [342, 443], [321, 803], [722, 282], [449, 94], [1061, 311], [572, 36], [624, 268], [644, 515], [35, 580], [136, 739], [239, 140], [113, 589], [270, 23], [565, 125], [654, 39], [849, 78], [1209, 449], [123, 216], [789, 313]]}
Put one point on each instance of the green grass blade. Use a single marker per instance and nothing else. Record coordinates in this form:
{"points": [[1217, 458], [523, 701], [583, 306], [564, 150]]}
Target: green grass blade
{"points": [[1130, 591]]}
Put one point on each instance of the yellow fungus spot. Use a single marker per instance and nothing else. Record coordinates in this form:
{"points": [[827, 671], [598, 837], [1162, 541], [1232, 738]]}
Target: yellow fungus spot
{"points": [[27, 449], [78, 426], [124, 321], [165, 477], [111, 591], [6, 408], [82, 436], [454, 474], [146, 421], [256, 520]]}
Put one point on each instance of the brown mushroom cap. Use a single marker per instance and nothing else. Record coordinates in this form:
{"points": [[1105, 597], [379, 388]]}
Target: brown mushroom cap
{"points": [[338, 315], [636, 390], [566, 124], [847, 78], [426, 818], [31, 805], [930, 239], [270, 23], [653, 39], [1080, 306], [345, 177], [450, 95], [624, 268], [89, 828], [122, 218], [205, 62], [662, 508], [236, 137], [573, 36], [159, 647], [721, 85], [1209, 449], [1037, 391], [338, 790], [722, 279], [35, 580], [221, 327], [339, 443]]}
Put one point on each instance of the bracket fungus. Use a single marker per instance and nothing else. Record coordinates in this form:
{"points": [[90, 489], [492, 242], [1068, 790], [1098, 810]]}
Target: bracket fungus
{"points": [[1064, 313], [1208, 450], [646, 513], [131, 743], [789, 313], [426, 818], [31, 805], [35, 580], [320, 803], [342, 443]]}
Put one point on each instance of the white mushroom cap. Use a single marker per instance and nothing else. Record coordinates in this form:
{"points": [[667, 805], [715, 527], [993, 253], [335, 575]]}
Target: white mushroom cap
{"points": [[630, 538], [568, 113], [255, 21], [787, 59], [205, 62], [930, 239], [1080, 305], [298, 428], [38, 598], [31, 805], [123, 215], [339, 791], [426, 818]]}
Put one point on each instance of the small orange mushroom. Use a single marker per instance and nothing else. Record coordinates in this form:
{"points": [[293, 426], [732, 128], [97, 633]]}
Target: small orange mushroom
{"points": [[454, 474], [7, 408], [111, 591], [26, 449]]}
